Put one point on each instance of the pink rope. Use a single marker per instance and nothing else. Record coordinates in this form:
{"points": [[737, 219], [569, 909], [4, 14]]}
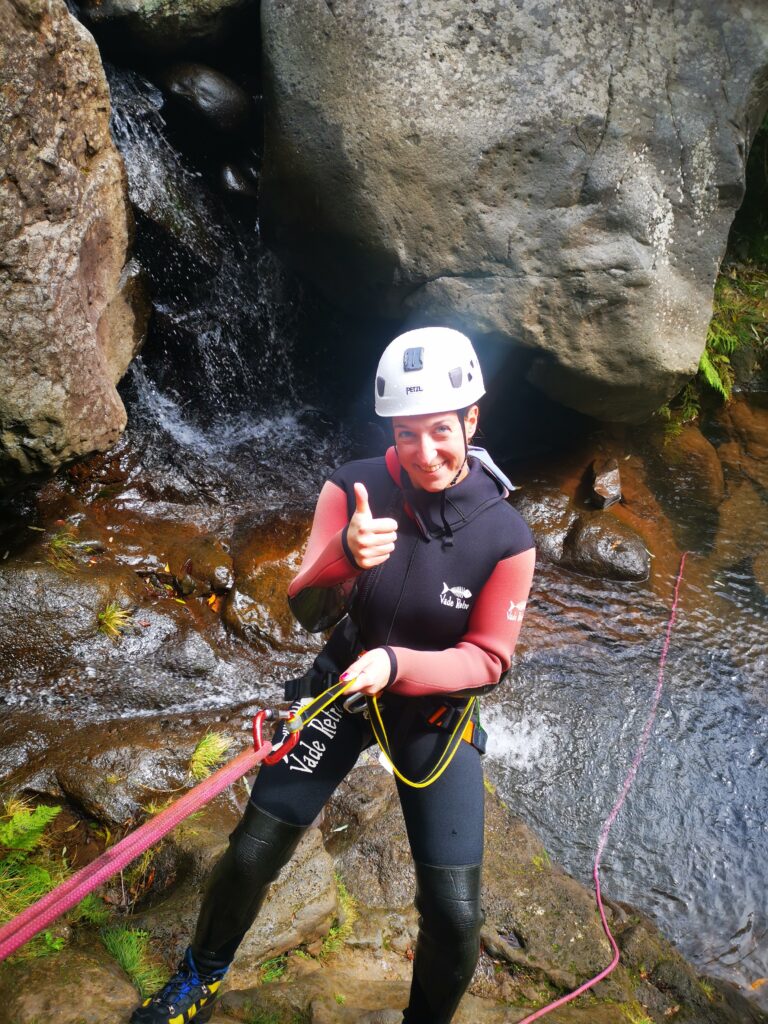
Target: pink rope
{"points": [[608, 823], [67, 895]]}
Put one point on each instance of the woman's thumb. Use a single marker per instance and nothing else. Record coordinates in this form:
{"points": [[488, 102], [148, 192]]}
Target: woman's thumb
{"points": [[361, 500]]}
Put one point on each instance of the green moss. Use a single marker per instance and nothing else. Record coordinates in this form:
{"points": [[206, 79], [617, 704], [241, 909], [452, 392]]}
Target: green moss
{"points": [[635, 1014], [541, 861], [341, 929]]}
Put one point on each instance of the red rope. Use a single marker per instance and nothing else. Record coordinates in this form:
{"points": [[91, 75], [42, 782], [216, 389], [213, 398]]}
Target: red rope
{"points": [[608, 823], [67, 895]]}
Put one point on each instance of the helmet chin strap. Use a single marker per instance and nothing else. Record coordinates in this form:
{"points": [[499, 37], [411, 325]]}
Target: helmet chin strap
{"points": [[460, 470]]}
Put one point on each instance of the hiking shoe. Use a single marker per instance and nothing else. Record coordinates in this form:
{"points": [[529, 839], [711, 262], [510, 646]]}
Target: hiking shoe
{"points": [[187, 995]]}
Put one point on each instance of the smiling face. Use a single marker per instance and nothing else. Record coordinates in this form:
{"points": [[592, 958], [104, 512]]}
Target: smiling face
{"points": [[431, 447]]}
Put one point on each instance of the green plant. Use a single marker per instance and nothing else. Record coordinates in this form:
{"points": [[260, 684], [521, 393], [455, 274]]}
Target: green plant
{"points": [[29, 869], [273, 970], [208, 753], [739, 322], [131, 948], [340, 999], [341, 928], [113, 620], [62, 548], [707, 988], [635, 1014], [541, 860], [262, 1017]]}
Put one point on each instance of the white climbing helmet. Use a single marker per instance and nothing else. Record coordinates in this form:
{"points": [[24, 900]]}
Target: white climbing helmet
{"points": [[431, 369]]}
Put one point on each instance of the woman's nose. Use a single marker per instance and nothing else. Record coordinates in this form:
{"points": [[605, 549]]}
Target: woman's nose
{"points": [[426, 449]]}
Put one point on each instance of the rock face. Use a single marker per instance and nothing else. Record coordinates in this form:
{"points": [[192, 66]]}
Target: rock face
{"points": [[67, 330], [561, 180], [164, 27]]}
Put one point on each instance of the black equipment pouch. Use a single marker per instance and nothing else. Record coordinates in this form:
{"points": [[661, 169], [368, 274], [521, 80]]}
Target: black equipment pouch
{"points": [[342, 649]]}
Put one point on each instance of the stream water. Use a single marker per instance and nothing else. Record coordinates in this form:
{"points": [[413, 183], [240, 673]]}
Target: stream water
{"points": [[218, 409]]}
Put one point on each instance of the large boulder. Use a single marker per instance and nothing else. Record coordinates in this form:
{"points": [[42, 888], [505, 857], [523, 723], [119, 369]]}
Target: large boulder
{"points": [[164, 27], [561, 179], [67, 329]]}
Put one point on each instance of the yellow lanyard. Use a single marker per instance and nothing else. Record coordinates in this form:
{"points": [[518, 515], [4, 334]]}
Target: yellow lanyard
{"points": [[316, 706]]}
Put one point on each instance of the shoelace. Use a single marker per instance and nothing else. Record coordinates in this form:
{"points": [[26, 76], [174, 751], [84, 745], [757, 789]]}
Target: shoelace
{"points": [[182, 983]]}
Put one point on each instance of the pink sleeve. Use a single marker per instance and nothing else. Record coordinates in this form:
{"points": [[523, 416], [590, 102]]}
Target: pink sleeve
{"points": [[485, 650], [325, 563]]}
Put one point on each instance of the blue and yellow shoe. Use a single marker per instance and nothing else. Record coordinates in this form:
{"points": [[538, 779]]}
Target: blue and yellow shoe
{"points": [[188, 995]]}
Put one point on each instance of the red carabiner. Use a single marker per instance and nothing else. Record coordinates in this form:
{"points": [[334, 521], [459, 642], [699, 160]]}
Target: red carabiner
{"points": [[279, 752]]}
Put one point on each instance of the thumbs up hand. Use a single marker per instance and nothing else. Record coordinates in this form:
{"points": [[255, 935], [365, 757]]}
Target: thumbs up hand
{"points": [[370, 540]]}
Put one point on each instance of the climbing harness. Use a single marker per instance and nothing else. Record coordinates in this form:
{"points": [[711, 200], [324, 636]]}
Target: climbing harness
{"points": [[462, 725]]}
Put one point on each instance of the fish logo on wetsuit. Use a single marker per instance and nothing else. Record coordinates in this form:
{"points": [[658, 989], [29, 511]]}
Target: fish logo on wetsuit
{"points": [[455, 597], [515, 611]]}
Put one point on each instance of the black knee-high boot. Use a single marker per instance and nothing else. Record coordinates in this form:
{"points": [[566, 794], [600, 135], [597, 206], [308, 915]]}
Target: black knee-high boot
{"points": [[259, 846], [450, 918]]}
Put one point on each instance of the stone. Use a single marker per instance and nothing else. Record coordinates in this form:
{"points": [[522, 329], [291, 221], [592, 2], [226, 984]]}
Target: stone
{"points": [[67, 329], [237, 182], [605, 548], [165, 28], [300, 906], [606, 482], [208, 100], [550, 515], [90, 989], [266, 561], [557, 179]]}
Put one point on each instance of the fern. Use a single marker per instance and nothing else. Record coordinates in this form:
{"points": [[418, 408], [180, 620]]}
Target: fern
{"points": [[711, 372], [22, 831]]}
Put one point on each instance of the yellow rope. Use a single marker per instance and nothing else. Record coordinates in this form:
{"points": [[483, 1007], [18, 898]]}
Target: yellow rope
{"points": [[445, 758], [316, 706]]}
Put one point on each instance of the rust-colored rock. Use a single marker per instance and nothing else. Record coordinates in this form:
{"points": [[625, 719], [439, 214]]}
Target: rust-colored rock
{"points": [[606, 484], [66, 327]]}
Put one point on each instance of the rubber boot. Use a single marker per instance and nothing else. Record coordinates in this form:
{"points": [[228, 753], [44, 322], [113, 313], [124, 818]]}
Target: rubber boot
{"points": [[260, 845], [450, 918]]}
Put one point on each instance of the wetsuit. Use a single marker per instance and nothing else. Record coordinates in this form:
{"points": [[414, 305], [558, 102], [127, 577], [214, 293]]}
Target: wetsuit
{"points": [[447, 606]]}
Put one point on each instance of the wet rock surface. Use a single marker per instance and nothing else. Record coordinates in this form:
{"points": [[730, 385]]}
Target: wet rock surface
{"points": [[609, 550], [142, 27], [561, 181], [67, 326], [206, 99], [541, 933]]}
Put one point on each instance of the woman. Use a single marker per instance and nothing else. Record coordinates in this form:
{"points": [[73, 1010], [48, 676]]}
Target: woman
{"points": [[434, 568]]}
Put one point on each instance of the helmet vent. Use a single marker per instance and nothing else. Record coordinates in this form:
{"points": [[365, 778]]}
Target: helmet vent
{"points": [[380, 385], [413, 359], [469, 376], [455, 376]]}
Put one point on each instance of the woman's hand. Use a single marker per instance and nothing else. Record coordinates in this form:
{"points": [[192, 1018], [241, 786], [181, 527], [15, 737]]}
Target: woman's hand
{"points": [[370, 672], [370, 540]]}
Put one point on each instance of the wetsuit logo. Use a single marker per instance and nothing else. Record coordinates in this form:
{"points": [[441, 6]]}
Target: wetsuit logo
{"points": [[515, 611], [455, 597], [308, 753]]}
